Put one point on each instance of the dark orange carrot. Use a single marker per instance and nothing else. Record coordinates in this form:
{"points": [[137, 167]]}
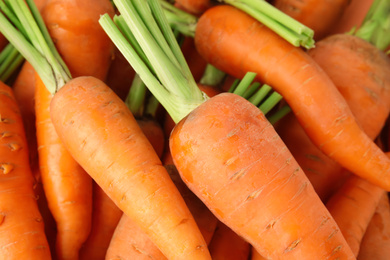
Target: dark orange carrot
{"points": [[132, 168], [226, 245], [292, 73], [352, 207], [22, 228], [105, 218], [376, 240], [196, 7], [320, 16]]}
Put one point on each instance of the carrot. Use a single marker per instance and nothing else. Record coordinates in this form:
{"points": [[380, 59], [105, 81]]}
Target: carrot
{"points": [[76, 21], [352, 207], [226, 245], [337, 134], [376, 240], [196, 7], [22, 228], [320, 16], [229, 155], [130, 242], [105, 218]]}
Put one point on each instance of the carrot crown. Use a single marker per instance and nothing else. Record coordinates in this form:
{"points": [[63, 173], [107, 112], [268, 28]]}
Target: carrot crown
{"points": [[146, 40], [26, 31]]}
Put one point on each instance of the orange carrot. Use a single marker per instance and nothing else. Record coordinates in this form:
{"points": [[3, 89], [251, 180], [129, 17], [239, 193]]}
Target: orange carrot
{"points": [[105, 218], [292, 73], [130, 242], [230, 156], [133, 176], [352, 207], [22, 229], [376, 240], [196, 7], [320, 16], [226, 245]]}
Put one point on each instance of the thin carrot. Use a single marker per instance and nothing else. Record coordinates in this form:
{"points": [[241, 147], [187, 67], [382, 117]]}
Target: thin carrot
{"points": [[22, 229], [229, 155], [105, 218], [376, 240], [226, 245], [246, 46], [352, 207]]}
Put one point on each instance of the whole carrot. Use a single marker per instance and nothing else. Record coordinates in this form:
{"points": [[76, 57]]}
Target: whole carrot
{"points": [[246, 46], [22, 228]]}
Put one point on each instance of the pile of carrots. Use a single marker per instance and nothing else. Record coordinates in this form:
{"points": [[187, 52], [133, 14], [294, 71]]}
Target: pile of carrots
{"points": [[116, 143]]}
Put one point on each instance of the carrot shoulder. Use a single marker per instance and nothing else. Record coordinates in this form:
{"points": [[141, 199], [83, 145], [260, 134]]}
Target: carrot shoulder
{"points": [[103, 136], [22, 228], [249, 46]]}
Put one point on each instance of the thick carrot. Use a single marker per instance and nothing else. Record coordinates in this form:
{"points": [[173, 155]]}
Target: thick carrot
{"points": [[230, 156], [127, 169], [196, 7], [22, 229], [105, 218], [226, 245], [376, 240], [320, 16], [247, 45], [352, 207]]}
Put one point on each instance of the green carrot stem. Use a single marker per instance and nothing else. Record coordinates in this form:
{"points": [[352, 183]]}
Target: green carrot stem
{"points": [[270, 102], [10, 62], [376, 25], [279, 114], [251, 90], [212, 76], [288, 28], [172, 83], [234, 85], [151, 106], [136, 97], [244, 83], [259, 96], [35, 46], [179, 19]]}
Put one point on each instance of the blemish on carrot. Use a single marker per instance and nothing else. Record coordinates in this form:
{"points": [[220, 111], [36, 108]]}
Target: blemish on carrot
{"points": [[6, 134], [38, 220], [14, 147], [2, 218], [4, 120], [185, 220], [337, 249], [332, 234], [254, 195], [293, 245], [238, 175], [6, 168], [271, 224]]}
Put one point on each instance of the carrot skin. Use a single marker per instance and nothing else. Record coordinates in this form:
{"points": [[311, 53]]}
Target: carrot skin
{"points": [[67, 186], [103, 136], [230, 156], [247, 44], [22, 234]]}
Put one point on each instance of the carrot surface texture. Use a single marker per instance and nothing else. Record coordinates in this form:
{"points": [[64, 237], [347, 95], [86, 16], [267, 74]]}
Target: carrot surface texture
{"points": [[105, 139], [226, 151], [250, 46], [21, 225]]}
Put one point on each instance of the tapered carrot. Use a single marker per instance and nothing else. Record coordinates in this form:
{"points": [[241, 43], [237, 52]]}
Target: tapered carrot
{"points": [[229, 155], [22, 228], [247, 45], [352, 207], [376, 240], [226, 245]]}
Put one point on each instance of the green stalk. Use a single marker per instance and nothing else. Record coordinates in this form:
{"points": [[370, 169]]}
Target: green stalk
{"points": [[36, 45], [251, 90], [212, 76], [136, 97], [151, 106], [172, 83], [270, 102], [376, 25], [244, 83], [10, 60], [275, 117], [259, 96]]}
